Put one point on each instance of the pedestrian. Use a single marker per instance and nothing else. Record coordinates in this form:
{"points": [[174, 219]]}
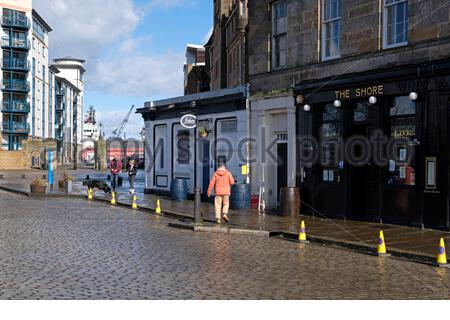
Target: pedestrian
{"points": [[132, 171], [221, 182], [116, 168]]}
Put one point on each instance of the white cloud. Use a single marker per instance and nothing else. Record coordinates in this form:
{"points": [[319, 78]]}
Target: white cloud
{"points": [[140, 75], [81, 28], [207, 36]]}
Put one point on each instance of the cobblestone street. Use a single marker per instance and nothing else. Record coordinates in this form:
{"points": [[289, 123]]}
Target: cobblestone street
{"points": [[73, 249]]}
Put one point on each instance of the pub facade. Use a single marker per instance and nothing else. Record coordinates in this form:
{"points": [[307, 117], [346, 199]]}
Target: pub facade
{"points": [[378, 148]]}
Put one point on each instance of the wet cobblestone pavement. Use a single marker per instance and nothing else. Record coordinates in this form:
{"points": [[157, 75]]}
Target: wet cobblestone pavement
{"points": [[74, 249]]}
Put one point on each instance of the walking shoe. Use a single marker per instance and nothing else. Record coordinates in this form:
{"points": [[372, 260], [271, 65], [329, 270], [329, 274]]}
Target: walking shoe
{"points": [[218, 221], [225, 218]]}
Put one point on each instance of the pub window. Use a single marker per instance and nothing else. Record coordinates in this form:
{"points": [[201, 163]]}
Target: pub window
{"points": [[183, 147], [331, 31], [330, 143], [402, 169], [363, 112], [395, 26], [279, 38]]}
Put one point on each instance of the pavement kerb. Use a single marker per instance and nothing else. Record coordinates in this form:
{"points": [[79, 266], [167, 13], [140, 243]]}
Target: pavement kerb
{"points": [[239, 229]]}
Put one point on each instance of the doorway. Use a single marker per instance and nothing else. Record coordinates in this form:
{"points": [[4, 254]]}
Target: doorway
{"points": [[205, 161], [282, 167], [364, 174]]}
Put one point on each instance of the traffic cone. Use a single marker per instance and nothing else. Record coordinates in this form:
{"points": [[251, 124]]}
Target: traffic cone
{"points": [[134, 204], [302, 236], [90, 197], [381, 245], [158, 207], [113, 199], [442, 255]]}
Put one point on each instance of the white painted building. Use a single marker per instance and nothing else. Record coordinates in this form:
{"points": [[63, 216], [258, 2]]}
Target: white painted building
{"points": [[274, 127]]}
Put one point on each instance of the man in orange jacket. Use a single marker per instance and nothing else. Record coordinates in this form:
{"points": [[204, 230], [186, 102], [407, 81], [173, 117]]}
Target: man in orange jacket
{"points": [[221, 182]]}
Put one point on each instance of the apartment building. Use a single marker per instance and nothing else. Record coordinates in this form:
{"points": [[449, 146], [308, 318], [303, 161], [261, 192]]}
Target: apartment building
{"points": [[69, 104], [355, 68]]}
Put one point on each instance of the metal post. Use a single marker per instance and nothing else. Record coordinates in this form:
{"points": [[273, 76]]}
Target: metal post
{"points": [[197, 200]]}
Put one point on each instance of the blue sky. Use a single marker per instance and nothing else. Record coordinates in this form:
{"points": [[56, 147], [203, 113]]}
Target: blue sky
{"points": [[134, 49]]}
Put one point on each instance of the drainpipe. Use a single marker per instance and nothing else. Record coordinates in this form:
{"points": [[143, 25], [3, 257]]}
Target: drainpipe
{"points": [[247, 109]]}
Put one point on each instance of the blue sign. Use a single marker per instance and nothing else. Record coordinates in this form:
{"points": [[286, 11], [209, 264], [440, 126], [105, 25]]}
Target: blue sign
{"points": [[50, 167]]}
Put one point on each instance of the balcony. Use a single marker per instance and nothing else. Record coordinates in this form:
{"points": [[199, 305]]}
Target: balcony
{"points": [[16, 21], [16, 127], [16, 64], [16, 106], [61, 91], [16, 85], [15, 43], [60, 107]]}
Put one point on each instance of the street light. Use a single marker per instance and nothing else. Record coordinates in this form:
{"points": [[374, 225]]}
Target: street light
{"points": [[337, 103], [373, 100], [413, 96], [307, 108]]}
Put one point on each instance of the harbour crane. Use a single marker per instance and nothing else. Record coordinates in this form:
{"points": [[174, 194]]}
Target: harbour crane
{"points": [[118, 132]]}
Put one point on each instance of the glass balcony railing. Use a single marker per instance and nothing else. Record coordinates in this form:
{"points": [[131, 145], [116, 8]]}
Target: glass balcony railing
{"points": [[60, 106], [16, 85], [15, 43], [61, 91], [16, 64], [16, 127], [16, 106], [16, 21]]}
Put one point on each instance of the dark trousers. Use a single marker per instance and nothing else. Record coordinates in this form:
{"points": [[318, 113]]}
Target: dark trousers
{"points": [[131, 179], [114, 181]]}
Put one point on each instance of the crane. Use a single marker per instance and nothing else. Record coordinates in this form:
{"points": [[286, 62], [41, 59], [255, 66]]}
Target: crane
{"points": [[118, 132]]}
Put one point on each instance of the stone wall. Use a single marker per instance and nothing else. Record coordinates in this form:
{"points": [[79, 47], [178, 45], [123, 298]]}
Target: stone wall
{"points": [[23, 159], [361, 42]]}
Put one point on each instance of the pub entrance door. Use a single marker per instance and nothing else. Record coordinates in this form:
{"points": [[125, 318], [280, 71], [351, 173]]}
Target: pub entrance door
{"points": [[364, 174]]}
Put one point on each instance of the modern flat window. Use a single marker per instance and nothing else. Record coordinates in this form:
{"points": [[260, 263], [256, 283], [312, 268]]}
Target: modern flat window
{"points": [[395, 26], [331, 29], [183, 147], [279, 38]]}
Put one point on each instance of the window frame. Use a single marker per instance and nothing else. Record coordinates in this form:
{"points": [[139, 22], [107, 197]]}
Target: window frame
{"points": [[323, 33], [276, 65], [386, 45]]}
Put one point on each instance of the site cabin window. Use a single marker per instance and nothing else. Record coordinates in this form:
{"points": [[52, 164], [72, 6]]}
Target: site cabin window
{"points": [[331, 29], [395, 23], [402, 169], [183, 147], [329, 136], [279, 31]]}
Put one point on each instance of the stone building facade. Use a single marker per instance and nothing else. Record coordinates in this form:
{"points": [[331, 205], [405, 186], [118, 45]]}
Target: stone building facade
{"points": [[351, 68]]}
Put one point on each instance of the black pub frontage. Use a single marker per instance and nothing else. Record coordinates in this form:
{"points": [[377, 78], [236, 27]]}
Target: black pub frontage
{"points": [[374, 146]]}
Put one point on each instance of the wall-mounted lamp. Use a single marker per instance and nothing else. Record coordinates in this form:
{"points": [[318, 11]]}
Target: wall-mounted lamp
{"points": [[337, 103], [193, 104], [413, 96], [373, 100], [307, 108]]}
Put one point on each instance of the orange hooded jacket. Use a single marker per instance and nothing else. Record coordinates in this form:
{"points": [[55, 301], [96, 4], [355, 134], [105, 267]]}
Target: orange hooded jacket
{"points": [[221, 182]]}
